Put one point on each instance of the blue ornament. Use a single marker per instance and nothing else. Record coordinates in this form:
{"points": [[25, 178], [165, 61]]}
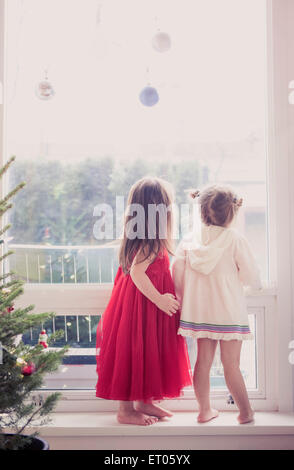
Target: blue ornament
{"points": [[149, 96]]}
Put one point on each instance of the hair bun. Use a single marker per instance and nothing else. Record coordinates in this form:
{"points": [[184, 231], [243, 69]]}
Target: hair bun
{"points": [[195, 194]]}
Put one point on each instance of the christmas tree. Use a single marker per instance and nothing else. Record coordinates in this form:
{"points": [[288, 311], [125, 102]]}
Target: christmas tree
{"points": [[22, 367]]}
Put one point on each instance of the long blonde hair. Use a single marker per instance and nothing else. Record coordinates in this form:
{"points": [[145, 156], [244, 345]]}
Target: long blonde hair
{"points": [[146, 191]]}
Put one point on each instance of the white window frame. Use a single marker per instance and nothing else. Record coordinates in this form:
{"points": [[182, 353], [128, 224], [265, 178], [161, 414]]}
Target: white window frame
{"points": [[91, 299], [2, 81], [276, 391], [280, 40]]}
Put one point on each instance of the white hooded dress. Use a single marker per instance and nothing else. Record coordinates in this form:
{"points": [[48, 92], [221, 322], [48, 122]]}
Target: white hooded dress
{"points": [[209, 273]]}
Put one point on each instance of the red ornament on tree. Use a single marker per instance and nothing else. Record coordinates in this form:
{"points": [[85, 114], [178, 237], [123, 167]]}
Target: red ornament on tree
{"points": [[7, 310], [28, 369]]}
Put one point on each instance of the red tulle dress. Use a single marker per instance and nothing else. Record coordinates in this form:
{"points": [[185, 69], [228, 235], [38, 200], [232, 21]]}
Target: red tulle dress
{"points": [[140, 356]]}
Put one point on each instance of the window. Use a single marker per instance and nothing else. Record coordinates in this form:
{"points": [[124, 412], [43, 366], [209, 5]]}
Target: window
{"points": [[92, 138]]}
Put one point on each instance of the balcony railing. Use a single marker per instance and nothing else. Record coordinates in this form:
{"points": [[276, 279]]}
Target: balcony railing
{"points": [[64, 264]]}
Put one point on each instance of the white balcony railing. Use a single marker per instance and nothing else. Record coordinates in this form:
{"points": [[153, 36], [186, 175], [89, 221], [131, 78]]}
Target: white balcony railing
{"points": [[64, 264]]}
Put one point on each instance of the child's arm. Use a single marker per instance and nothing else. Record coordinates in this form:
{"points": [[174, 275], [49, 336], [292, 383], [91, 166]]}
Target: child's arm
{"points": [[165, 302], [178, 272], [248, 269]]}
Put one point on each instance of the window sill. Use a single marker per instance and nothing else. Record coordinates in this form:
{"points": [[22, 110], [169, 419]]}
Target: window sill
{"points": [[92, 299], [271, 430]]}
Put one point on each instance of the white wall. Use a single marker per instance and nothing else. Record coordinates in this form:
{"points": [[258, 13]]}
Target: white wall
{"points": [[290, 55], [291, 156], [2, 34], [1, 73], [281, 170]]}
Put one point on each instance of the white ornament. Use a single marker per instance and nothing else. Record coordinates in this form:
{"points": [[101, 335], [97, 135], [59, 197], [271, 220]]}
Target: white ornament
{"points": [[20, 361], [161, 42], [44, 90]]}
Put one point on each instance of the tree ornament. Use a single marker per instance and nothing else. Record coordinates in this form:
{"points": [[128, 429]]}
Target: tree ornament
{"points": [[149, 96], [6, 290], [17, 405], [43, 337], [44, 89], [8, 310], [161, 42], [20, 362], [28, 369]]}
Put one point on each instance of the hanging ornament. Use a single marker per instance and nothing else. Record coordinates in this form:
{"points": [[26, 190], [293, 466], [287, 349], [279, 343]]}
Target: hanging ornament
{"points": [[44, 89], [28, 369], [43, 339], [161, 42], [149, 96]]}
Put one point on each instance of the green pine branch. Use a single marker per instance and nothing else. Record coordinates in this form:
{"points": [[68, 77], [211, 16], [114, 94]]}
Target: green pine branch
{"points": [[4, 208], [12, 193], [7, 299], [4, 169], [4, 229], [8, 253], [3, 277], [17, 322], [10, 284], [17, 410]]}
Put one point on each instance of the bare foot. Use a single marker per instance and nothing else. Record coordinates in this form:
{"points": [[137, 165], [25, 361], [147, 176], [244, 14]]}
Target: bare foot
{"points": [[205, 416], [153, 410], [135, 417], [246, 418]]}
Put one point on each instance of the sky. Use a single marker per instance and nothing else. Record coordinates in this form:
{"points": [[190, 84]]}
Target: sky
{"points": [[99, 56]]}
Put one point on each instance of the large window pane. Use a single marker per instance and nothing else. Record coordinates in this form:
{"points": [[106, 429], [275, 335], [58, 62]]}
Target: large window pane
{"points": [[94, 138]]}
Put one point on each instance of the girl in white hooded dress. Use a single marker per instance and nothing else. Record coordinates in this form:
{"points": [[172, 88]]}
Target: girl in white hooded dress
{"points": [[209, 272]]}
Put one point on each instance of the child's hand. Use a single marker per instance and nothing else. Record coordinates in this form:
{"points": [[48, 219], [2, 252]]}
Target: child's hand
{"points": [[168, 304]]}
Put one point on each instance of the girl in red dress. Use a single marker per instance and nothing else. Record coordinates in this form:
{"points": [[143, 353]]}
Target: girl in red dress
{"points": [[140, 356]]}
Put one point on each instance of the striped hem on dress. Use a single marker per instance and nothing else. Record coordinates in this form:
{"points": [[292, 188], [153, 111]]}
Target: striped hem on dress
{"points": [[213, 331]]}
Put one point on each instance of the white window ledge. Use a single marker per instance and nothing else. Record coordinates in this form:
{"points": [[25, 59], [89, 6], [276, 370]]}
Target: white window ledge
{"points": [[92, 299], [270, 430]]}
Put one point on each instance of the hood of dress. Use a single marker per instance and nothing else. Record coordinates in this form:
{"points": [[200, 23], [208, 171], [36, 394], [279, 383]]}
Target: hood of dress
{"points": [[205, 249]]}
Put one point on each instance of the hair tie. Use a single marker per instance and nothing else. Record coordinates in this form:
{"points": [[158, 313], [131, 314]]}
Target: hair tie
{"points": [[238, 202], [195, 194]]}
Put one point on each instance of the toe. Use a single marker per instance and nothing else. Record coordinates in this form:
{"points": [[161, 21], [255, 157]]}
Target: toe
{"points": [[152, 420]]}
